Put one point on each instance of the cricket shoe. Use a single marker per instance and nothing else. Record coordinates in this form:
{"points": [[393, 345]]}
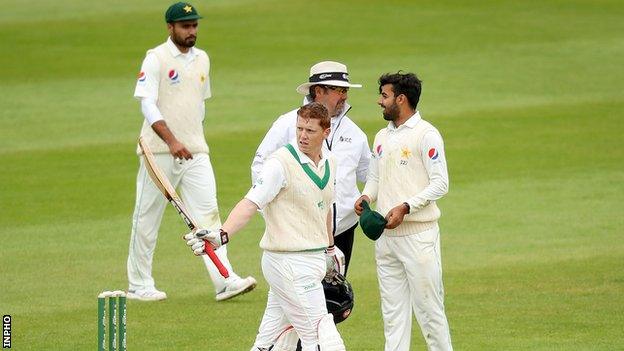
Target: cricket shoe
{"points": [[146, 295], [236, 286]]}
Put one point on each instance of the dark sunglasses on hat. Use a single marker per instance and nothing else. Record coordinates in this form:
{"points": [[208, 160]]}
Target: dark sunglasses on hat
{"points": [[341, 90]]}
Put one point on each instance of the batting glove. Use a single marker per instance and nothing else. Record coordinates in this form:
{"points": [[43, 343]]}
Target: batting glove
{"points": [[331, 262], [198, 239], [342, 260]]}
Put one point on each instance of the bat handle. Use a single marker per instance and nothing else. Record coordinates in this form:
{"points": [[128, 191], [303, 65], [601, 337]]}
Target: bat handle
{"points": [[213, 257]]}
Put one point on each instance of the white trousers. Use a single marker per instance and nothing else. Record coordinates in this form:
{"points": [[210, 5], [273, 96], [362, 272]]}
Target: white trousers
{"points": [[295, 297], [195, 182], [409, 272]]}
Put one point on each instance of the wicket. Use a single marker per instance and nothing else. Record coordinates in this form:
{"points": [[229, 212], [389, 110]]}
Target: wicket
{"points": [[116, 317]]}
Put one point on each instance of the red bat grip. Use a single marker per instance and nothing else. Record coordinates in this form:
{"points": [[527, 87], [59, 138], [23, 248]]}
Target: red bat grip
{"points": [[209, 250], [163, 184]]}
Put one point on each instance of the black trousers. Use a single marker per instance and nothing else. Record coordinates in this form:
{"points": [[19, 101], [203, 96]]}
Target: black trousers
{"points": [[344, 241]]}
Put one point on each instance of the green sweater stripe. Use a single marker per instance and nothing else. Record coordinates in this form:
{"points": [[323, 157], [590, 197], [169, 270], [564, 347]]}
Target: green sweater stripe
{"points": [[321, 183]]}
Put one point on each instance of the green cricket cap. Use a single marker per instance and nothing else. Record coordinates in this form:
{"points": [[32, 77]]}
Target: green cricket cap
{"points": [[372, 223], [181, 11]]}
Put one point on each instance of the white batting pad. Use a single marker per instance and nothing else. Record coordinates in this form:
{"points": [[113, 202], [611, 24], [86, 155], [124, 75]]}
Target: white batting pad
{"points": [[329, 338]]}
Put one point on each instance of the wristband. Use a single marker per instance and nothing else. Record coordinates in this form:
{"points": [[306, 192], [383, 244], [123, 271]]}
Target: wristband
{"points": [[224, 236]]}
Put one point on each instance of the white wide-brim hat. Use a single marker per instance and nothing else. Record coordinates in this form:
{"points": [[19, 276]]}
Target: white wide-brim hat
{"points": [[327, 73]]}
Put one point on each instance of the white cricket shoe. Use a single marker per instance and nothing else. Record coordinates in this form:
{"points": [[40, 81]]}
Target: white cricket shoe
{"points": [[146, 295], [235, 287]]}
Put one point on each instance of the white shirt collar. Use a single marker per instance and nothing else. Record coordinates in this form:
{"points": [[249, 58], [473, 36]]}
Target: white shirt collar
{"points": [[175, 52], [410, 123], [304, 158]]}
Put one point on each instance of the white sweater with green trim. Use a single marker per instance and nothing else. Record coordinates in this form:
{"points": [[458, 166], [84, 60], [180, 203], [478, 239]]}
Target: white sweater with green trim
{"points": [[296, 219], [180, 92]]}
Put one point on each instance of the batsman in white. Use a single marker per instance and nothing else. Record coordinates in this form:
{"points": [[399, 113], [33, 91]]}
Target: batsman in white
{"points": [[295, 190], [172, 86], [407, 175]]}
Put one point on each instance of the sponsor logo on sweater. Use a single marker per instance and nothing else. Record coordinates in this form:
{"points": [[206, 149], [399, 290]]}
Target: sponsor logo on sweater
{"points": [[433, 153], [174, 77]]}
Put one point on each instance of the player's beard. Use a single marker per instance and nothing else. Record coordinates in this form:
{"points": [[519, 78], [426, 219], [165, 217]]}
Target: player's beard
{"points": [[187, 42], [391, 113]]}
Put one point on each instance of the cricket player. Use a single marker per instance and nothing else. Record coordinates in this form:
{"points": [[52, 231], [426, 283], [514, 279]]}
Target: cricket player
{"points": [[329, 85], [295, 190], [172, 86], [407, 175]]}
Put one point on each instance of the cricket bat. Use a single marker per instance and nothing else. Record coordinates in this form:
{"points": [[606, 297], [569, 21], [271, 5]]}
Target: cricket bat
{"points": [[163, 184]]}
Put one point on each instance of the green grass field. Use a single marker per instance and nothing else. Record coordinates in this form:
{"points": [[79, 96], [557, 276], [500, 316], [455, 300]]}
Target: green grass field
{"points": [[527, 94]]}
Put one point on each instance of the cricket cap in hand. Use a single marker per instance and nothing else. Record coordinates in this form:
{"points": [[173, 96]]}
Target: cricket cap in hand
{"points": [[372, 222]]}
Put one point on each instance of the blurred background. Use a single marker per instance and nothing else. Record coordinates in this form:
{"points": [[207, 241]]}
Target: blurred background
{"points": [[527, 95]]}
